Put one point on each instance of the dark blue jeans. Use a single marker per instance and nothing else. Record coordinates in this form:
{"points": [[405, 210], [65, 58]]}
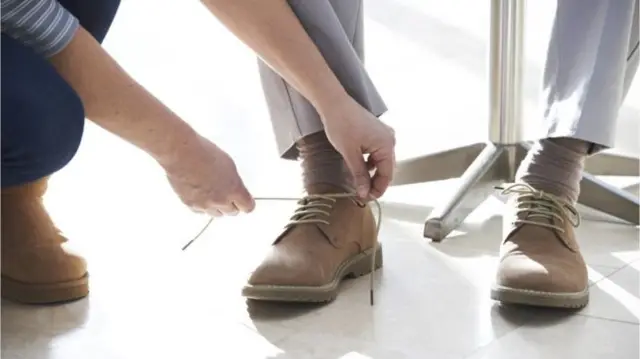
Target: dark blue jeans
{"points": [[42, 116]]}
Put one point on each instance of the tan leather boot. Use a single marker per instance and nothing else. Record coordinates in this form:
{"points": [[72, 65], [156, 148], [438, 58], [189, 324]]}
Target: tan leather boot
{"points": [[327, 240], [36, 269], [540, 261]]}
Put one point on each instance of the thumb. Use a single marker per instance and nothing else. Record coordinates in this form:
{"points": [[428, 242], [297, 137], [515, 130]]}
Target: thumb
{"points": [[244, 200], [362, 180]]}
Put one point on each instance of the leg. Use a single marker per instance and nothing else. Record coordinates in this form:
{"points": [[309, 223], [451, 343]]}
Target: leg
{"points": [[336, 27], [26, 162], [591, 62], [328, 239], [41, 131], [587, 74], [607, 198], [43, 122]]}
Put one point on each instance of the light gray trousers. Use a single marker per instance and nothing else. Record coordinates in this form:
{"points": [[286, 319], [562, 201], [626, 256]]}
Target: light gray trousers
{"points": [[591, 60], [336, 27]]}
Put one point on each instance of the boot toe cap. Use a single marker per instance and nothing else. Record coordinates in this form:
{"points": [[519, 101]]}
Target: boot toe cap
{"points": [[523, 273], [44, 267], [281, 270]]}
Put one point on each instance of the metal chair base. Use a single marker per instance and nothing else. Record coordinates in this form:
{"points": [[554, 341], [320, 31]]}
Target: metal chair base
{"points": [[482, 166]]}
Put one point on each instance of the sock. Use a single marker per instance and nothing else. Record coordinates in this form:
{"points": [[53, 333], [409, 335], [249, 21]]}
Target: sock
{"points": [[555, 166], [322, 164]]}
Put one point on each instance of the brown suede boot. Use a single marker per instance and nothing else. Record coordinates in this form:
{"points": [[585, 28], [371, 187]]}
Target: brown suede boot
{"points": [[328, 239], [540, 261], [36, 269]]}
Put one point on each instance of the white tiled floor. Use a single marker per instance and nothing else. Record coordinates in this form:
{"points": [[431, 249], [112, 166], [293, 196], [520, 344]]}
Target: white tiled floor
{"points": [[150, 300]]}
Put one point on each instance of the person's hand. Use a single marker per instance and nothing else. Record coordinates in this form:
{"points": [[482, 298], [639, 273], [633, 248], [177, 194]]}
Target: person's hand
{"points": [[355, 132], [206, 180]]}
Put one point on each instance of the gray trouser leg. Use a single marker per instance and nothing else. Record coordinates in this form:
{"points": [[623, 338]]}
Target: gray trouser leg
{"points": [[591, 61], [336, 27]]}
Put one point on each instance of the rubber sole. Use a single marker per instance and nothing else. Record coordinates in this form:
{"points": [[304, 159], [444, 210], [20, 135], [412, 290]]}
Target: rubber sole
{"points": [[540, 299], [29, 293], [354, 267]]}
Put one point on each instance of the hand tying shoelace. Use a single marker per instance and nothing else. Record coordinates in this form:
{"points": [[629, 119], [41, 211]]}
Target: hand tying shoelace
{"points": [[312, 209]]}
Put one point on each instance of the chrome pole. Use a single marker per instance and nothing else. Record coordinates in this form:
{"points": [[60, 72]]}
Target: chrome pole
{"points": [[505, 71]]}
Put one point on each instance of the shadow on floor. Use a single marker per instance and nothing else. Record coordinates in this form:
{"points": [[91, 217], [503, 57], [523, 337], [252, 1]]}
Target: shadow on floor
{"points": [[274, 312]]}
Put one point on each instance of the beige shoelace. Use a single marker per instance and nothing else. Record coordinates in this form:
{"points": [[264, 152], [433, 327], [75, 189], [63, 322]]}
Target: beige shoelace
{"points": [[315, 209], [539, 204]]}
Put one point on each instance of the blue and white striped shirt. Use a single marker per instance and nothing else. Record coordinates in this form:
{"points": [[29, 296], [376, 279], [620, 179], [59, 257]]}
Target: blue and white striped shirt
{"points": [[44, 25]]}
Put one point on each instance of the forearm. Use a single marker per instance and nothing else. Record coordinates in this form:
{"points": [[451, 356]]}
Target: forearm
{"points": [[116, 102], [273, 31]]}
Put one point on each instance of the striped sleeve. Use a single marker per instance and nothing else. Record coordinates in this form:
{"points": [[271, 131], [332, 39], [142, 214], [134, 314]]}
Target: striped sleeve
{"points": [[44, 25]]}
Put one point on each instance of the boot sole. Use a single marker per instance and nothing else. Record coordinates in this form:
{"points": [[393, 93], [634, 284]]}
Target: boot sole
{"points": [[533, 298], [354, 267], [30, 293]]}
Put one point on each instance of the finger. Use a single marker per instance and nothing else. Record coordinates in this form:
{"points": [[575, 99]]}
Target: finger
{"points": [[371, 164], [244, 201], [355, 163], [383, 176], [214, 212], [196, 209], [229, 210], [199, 208]]}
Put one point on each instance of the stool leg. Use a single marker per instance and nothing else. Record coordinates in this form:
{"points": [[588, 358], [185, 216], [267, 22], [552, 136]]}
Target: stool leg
{"points": [[596, 194], [436, 166], [476, 185], [609, 164]]}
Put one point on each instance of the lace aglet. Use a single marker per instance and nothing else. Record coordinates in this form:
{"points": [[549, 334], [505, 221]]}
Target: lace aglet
{"points": [[198, 235], [371, 301], [188, 244]]}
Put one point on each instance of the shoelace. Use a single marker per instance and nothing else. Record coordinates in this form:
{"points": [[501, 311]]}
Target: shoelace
{"points": [[312, 209], [539, 204]]}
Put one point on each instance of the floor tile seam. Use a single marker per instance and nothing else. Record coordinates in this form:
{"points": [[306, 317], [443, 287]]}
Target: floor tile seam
{"points": [[597, 317], [626, 265]]}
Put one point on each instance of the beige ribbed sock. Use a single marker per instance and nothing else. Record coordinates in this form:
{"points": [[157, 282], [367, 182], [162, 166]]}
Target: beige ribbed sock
{"points": [[322, 164], [555, 166]]}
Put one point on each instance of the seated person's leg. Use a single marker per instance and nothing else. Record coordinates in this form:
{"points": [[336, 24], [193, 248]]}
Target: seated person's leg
{"points": [[305, 262], [42, 126], [591, 59]]}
